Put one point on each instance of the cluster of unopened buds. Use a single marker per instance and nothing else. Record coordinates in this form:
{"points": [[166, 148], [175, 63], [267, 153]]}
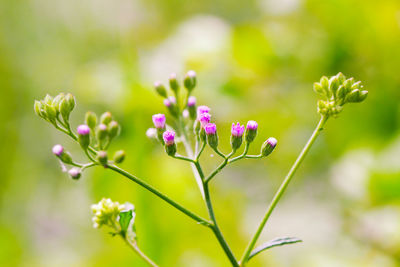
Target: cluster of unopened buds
{"points": [[198, 119], [94, 136], [192, 126]]}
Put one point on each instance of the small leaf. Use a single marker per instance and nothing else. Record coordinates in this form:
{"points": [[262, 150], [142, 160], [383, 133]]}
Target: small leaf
{"points": [[125, 218], [274, 243]]}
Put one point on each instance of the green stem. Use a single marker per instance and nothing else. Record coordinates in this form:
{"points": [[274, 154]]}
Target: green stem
{"points": [[243, 155], [282, 188], [160, 195], [183, 158], [219, 153], [215, 228], [219, 168], [201, 151], [140, 253]]}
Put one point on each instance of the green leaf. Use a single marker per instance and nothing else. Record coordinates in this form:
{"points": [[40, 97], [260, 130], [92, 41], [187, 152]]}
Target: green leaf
{"points": [[274, 243], [125, 218]]}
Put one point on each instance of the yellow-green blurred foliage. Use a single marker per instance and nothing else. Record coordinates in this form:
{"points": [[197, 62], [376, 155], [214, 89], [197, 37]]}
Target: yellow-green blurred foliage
{"points": [[255, 59]]}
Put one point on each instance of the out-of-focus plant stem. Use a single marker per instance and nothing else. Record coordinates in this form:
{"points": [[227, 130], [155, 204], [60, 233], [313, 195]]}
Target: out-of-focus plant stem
{"points": [[282, 189]]}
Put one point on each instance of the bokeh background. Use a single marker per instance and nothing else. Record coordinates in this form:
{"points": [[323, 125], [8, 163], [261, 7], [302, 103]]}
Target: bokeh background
{"points": [[255, 59]]}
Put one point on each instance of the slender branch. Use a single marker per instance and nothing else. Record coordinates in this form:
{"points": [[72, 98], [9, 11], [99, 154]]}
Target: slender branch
{"points": [[160, 195], [219, 153], [243, 155], [201, 151], [219, 168], [282, 188], [183, 158], [140, 253]]}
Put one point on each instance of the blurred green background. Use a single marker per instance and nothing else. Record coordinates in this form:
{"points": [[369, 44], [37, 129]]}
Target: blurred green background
{"points": [[255, 59]]}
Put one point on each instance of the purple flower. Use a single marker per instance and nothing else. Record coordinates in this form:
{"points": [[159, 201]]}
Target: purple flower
{"points": [[75, 173], [191, 73], [172, 99], [191, 101], [83, 129], [169, 138], [201, 110], [237, 130], [167, 103], [272, 142], [159, 121], [58, 150], [210, 128], [252, 125], [204, 118]]}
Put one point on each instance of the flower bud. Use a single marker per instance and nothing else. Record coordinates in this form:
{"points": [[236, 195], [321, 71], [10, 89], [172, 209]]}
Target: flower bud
{"points": [[71, 101], [236, 135], [65, 109], [51, 112], [58, 150], [201, 110], [159, 121], [192, 107], [101, 133], [106, 118], [160, 89], [75, 173], [102, 158], [83, 135], [204, 119], [113, 129], [334, 84], [251, 131], [212, 138], [169, 140], [173, 83], [119, 156], [170, 103], [38, 109], [91, 120], [190, 80], [268, 146], [48, 99], [57, 101], [65, 157], [106, 212]]}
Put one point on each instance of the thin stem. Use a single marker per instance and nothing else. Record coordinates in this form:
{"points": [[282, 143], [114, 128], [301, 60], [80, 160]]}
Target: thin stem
{"points": [[183, 158], [201, 150], [283, 187], [160, 195], [219, 153], [140, 253], [219, 168], [243, 155], [216, 230]]}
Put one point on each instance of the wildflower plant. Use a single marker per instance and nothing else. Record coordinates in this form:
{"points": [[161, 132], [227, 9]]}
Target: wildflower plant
{"points": [[193, 126]]}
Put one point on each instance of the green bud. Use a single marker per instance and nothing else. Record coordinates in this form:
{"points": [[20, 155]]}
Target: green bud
{"points": [[356, 85], [51, 113], [64, 109], [363, 95], [160, 89], [325, 85], [91, 120], [71, 101], [65, 157], [334, 84], [57, 101], [119, 156], [38, 108], [170, 149], [48, 99], [190, 80], [236, 142], [212, 140], [318, 89], [101, 133], [102, 158], [341, 78], [173, 83], [268, 146], [353, 96], [113, 129], [341, 92], [106, 118]]}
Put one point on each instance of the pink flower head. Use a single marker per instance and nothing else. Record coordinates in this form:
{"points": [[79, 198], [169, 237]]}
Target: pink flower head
{"points": [[159, 121], [169, 138], [252, 125], [172, 99], [191, 101], [201, 110], [204, 118], [237, 130], [167, 103], [83, 129], [210, 128], [191, 73], [58, 150], [272, 142]]}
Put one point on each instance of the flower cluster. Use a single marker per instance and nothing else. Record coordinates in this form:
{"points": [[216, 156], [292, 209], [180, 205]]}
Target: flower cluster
{"points": [[338, 91], [199, 120], [107, 212], [95, 136]]}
